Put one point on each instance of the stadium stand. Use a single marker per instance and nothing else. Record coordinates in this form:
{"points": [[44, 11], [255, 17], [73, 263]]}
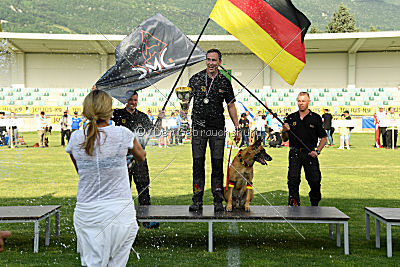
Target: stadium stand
{"points": [[150, 97]]}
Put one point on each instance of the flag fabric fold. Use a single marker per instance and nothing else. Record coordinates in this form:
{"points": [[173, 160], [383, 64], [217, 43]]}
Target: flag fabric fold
{"points": [[273, 30], [242, 109], [153, 51]]}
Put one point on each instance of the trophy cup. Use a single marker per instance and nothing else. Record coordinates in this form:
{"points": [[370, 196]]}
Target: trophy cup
{"points": [[183, 93]]}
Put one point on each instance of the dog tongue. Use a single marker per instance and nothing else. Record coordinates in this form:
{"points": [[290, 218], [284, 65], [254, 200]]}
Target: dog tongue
{"points": [[262, 161]]}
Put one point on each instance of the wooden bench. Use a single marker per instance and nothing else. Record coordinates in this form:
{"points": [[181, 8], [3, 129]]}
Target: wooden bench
{"points": [[266, 214], [35, 214], [389, 216]]}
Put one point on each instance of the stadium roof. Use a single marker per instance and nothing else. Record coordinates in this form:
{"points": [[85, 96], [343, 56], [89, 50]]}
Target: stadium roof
{"points": [[105, 44]]}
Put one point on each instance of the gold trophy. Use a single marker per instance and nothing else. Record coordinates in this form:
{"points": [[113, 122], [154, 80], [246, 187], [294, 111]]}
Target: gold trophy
{"points": [[183, 93]]}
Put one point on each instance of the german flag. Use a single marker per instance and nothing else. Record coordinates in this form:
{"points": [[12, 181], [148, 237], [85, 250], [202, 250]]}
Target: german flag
{"points": [[274, 30]]}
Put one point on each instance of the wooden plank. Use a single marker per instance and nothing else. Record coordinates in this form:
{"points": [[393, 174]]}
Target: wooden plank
{"points": [[26, 212], [387, 214], [180, 212]]}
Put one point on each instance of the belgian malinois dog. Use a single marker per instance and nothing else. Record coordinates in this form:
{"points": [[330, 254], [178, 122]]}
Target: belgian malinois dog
{"points": [[240, 181]]}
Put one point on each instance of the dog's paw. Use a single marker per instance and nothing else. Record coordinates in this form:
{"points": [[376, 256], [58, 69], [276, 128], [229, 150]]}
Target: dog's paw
{"points": [[228, 208], [247, 207]]}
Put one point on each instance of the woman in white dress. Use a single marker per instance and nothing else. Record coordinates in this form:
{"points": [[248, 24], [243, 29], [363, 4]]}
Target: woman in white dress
{"points": [[104, 216]]}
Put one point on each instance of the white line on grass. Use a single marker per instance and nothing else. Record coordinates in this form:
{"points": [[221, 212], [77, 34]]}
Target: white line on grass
{"points": [[233, 254]]}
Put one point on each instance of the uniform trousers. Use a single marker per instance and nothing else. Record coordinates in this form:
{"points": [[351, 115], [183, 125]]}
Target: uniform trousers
{"points": [[216, 140], [139, 172], [299, 158]]}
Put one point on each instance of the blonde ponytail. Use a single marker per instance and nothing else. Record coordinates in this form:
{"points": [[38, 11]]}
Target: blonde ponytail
{"points": [[97, 108]]}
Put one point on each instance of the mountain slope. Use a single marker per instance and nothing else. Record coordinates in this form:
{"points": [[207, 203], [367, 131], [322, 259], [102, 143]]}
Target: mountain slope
{"points": [[119, 17]]}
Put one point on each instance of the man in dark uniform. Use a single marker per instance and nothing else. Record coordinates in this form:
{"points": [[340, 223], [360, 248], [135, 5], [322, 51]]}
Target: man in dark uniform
{"points": [[139, 123], [327, 124], [307, 125], [210, 89]]}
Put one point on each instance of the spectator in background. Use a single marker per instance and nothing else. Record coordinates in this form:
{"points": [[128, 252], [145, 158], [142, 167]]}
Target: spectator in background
{"points": [[173, 128], [276, 139], [3, 129], [178, 131], [76, 122], [268, 119], [185, 126], [249, 117], [163, 139], [251, 126], [327, 124], [244, 128], [84, 121], [381, 121], [65, 122], [344, 134], [391, 133], [41, 123], [347, 116], [260, 123], [151, 117], [275, 125], [14, 129]]}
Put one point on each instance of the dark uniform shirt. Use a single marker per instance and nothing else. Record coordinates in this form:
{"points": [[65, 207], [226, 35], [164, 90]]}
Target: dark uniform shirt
{"points": [[308, 129], [138, 122], [245, 123], [210, 116], [327, 121]]}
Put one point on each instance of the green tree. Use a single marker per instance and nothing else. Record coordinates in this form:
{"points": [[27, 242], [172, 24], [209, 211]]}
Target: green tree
{"points": [[315, 29], [372, 28], [342, 21]]}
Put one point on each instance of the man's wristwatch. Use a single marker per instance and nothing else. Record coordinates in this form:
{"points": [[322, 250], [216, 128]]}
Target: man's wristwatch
{"points": [[318, 152]]}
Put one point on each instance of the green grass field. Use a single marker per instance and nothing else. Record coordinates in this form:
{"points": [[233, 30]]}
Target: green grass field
{"points": [[351, 180]]}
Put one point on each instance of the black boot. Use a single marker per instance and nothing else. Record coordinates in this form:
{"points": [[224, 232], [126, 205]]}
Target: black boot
{"points": [[218, 207], [196, 206]]}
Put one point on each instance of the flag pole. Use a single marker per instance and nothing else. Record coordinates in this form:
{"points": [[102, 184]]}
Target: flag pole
{"points": [[184, 66], [158, 121], [269, 110]]}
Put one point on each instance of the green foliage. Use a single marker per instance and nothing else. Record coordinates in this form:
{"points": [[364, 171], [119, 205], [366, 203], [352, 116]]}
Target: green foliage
{"points": [[314, 29], [342, 21], [108, 17], [381, 13], [120, 17], [372, 28]]}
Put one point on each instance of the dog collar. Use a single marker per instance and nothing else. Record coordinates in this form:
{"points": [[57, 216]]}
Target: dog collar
{"points": [[244, 163]]}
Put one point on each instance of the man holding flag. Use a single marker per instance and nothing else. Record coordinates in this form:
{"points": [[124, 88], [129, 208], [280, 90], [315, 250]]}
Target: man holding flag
{"points": [[210, 89]]}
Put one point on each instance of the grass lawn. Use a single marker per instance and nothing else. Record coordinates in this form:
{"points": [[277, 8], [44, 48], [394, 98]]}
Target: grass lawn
{"points": [[351, 180]]}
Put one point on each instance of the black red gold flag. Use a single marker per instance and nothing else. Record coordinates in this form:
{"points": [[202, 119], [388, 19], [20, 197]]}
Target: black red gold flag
{"points": [[273, 30]]}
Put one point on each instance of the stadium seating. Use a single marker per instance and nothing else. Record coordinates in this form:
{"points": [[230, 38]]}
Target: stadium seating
{"points": [[321, 97]]}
